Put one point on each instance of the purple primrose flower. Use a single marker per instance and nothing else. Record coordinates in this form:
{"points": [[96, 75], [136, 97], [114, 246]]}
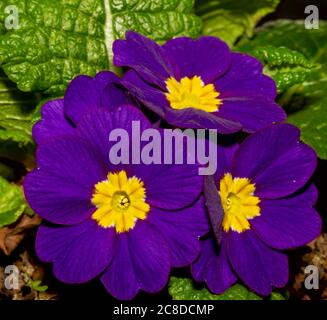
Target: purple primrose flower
{"points": [[127, 224], [198, 83], [260, 203]]}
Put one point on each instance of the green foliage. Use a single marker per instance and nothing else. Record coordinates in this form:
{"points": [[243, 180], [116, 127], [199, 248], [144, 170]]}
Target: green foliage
{"points": [[37, 285], [229, 20], [183, 289], [306, 101], [16, 109], [287, 67], [59, 39], [12, 203]]}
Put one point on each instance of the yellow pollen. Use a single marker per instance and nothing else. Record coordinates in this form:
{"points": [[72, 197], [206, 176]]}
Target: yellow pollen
{"points": [[239, 203], [120, 202], [192, 93]]}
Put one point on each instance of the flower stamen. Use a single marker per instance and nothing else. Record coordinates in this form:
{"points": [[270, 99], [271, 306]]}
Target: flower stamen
{"points": [[192, 93], [120, 202], [239, 203]]}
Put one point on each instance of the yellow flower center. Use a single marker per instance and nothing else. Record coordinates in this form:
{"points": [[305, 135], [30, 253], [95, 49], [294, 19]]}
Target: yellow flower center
{"points": [[239, 203], [120, 202], [192, 93]]}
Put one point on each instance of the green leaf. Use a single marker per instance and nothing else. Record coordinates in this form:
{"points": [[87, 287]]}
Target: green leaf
{"points": [[305, 102], [287, 67], [12, 203], [59, 39], [16, 110], [183, 289], [311, 118], [229, 20], [36, 285], [276, 296]]}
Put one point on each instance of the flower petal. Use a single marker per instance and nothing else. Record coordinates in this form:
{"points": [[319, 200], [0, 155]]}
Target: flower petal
{"points": [[85, 94], [60, 190], [245, 79], [182, 230], [169, 187], [253, 113], [145, 56], [151, 97], [96, 126], [198, 119], [212, 266], [226, 148], [258, 266], [289, 222], [79, 253], [275, 160], [53, 122], [142, 261], [207, 57]]}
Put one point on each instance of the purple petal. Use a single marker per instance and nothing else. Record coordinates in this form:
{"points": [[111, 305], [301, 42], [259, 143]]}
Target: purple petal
{"points": [[258, 266], [85, 94], [182, 230], [60, 190], [114, 96], [289, 222], [214, 207], [153, 98], [169, 187], [198, 119], [142, 261], [245, 79], [275, 160], [212, 266], [145, 56], [226, 148], [95, 127], [253, 113], [79, 253], [248, 95], [207, 57], [120, 279], [53, 122]]}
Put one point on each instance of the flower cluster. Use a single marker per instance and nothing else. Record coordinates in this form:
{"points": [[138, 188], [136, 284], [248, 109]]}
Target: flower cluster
{"points": [[130, 223]]}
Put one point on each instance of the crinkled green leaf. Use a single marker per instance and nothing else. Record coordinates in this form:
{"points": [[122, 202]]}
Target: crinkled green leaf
{"points": [[183, 289], [310, 113], [305, 102], [12, 203], [59, 39], [16, 109], [291, 34], [287, 67], [229, 19]]}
